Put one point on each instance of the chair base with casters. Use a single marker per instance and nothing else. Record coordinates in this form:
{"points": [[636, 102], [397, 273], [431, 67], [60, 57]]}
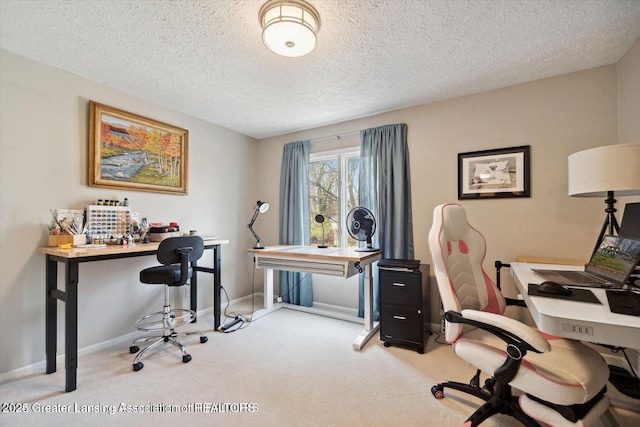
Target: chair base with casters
{"points": [[500, 400], [522, 359], [182, 250], [164, 321]]}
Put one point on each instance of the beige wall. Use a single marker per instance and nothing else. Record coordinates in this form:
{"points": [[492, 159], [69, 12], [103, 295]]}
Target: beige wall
{"points": [[556, 117], [43, 152], [629, 96]]}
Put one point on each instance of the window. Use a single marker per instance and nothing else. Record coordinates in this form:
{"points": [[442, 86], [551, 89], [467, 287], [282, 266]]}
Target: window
{"points": [[333, 192]]}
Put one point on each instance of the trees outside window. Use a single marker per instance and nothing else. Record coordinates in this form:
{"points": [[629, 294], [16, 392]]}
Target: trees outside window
{"points": [[333, 192]]}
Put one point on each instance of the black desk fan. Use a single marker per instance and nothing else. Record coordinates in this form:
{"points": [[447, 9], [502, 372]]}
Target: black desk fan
{"points": [[361, 225]]}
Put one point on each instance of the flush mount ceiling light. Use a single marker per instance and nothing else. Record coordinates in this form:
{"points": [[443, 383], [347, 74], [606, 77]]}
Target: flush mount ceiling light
{"points": [[289, 27]]}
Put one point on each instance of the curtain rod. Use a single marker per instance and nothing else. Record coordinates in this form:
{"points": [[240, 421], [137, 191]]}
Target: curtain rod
{"points": [[338, 136]]}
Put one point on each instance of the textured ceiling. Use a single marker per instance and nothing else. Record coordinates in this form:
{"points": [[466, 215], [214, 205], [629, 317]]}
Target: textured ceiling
{"points": [[206, 57]]}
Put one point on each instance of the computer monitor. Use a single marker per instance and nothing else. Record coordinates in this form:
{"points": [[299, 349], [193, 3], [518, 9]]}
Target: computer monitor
{"points": [[630, 225]]}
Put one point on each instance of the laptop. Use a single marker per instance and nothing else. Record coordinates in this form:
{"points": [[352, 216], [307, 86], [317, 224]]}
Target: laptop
{"points": [[609, 267]]}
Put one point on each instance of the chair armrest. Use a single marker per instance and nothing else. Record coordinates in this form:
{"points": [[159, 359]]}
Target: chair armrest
{"points": [[514, 328], [518, 337], [516, 302]]}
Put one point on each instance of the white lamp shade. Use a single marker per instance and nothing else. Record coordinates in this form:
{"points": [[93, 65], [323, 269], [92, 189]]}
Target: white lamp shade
{"points": [[289, 27], [594, 172]]}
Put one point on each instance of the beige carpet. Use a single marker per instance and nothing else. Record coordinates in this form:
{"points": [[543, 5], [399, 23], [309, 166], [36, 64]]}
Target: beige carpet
{"points": [[285, 369]]}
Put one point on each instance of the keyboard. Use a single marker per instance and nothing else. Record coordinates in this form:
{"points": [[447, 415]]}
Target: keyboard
{"points": [[580, 277]]}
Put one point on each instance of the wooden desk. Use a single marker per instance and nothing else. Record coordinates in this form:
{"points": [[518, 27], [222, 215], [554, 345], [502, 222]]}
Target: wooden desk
{"points": [[71, 258], [338, 262], [546, 260]]}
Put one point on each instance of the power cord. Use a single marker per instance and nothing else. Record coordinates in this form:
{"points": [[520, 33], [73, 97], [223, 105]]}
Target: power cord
{"points": [[615, 350], [244, 321], [437, 338], [226, 328], [625, 382], [291, 288], [238, 318]]}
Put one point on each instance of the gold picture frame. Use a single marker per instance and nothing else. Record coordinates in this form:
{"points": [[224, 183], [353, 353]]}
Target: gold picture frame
{"points": [[131, 152]]}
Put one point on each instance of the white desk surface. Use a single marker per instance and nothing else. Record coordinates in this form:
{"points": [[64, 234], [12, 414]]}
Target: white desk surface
{"points": [[572, 319]]}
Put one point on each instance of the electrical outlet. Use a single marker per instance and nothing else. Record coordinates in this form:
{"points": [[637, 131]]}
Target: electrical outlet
{"points": [[279, 299], [577, 329]]}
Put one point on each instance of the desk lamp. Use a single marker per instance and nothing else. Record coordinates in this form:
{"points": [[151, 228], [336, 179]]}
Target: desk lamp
{"points": [[261, 207], [320, 220], [603, 171]]}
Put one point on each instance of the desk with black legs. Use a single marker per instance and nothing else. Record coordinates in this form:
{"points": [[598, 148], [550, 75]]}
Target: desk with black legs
{"points": [[71, 258]]}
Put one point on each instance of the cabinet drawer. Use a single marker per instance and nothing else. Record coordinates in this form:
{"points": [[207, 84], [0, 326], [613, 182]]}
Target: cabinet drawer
{"points": [[400, 288], [401, 323]]}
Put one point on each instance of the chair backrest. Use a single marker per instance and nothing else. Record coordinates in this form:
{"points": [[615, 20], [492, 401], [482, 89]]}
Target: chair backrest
{"points": [[457, 251], [168, 249]]}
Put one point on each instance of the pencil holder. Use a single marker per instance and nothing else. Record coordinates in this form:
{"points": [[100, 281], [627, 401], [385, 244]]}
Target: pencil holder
{"points": [[64, 239]]}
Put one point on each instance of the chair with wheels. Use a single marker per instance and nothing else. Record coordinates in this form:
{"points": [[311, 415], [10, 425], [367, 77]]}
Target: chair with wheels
{"points": [[176, 255], [533, 377]]}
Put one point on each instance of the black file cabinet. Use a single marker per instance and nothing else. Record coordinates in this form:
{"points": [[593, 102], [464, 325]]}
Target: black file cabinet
{"points": [[405, 313]]}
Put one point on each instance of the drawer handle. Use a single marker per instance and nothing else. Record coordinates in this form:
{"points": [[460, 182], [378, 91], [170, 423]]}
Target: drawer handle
{"points": [[400, 317], [402, 285]]}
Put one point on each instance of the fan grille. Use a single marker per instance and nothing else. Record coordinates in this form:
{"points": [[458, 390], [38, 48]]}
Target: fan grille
{"points": [[361, 223]]}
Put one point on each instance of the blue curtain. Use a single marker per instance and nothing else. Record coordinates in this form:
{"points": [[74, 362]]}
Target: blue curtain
{"points": [[385, 189], [295, 288]]}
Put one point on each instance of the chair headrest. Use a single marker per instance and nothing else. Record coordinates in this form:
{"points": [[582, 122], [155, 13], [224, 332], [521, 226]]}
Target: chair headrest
{"points": [[454, 222]]}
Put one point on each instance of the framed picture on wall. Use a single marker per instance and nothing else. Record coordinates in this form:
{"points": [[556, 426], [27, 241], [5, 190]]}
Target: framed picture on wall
{"points": [[502, 172], [132, 152]]}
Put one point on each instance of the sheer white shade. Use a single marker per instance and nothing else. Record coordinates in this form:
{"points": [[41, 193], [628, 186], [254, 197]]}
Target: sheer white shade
{"points": [[289, 27], [594, 172]]}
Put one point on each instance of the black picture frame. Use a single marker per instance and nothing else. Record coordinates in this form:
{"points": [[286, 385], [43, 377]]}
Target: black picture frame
{"points": [[497, 173]]}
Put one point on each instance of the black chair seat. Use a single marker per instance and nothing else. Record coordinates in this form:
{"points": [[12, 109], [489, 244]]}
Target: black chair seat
{"points": [[163, 275], [176, 255]]}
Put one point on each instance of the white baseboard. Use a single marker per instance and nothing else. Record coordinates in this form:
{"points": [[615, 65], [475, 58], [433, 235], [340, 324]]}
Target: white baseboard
{"points": [[40, 367], [330, 310], [339, 312]]}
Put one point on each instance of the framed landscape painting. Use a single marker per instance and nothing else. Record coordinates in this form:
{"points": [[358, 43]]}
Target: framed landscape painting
{"points": [[131, 152], [503, 172]]}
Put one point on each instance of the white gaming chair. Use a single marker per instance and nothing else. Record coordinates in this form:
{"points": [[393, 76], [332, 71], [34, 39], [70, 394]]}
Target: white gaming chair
{"points": [[561, 382]]}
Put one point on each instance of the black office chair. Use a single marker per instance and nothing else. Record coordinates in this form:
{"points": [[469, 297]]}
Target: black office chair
{"points": [[176, 255]]}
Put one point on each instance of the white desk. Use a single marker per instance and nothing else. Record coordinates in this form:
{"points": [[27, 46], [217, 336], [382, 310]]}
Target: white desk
{"points": [[330, 261], [576, 320]]}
